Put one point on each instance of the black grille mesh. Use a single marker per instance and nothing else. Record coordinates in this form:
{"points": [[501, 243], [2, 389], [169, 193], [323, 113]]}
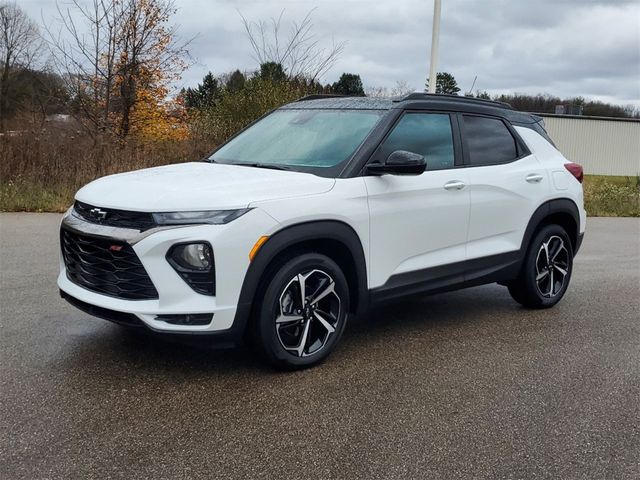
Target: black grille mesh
{"points": [[114, 218], [105, 266]]}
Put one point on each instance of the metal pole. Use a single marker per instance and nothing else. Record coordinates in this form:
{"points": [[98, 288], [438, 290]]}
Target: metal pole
{"points": [[435, 39]]}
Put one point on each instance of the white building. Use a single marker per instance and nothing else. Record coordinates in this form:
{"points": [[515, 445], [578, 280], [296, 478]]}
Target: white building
{"points": [[603, 146]]}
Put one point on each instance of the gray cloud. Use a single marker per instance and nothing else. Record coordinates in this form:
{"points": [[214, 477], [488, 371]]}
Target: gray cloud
{"points": [[561, 47]]}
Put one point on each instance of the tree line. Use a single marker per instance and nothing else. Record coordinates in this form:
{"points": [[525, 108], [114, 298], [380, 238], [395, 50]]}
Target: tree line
{"points": [[111, 65]]}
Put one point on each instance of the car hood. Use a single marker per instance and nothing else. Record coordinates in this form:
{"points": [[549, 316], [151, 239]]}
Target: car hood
{"points": [[198, 186]]}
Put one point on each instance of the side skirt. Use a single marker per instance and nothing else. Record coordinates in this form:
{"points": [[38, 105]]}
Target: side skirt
{"points": [[479, 271]]}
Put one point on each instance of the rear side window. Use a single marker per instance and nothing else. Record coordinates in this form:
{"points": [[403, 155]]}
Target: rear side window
{"points": [[489, 141], [428, 134]]}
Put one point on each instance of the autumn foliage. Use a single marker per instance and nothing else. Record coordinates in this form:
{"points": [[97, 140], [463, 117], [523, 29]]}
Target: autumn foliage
{"points": [[121, 74]]}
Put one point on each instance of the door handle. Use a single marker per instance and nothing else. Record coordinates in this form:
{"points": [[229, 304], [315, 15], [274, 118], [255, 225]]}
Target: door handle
{"points": [[534, 178], [454, 185]]}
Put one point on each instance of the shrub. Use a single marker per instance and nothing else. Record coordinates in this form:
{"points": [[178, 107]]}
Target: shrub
{"points": [[611, 197], [237, 108]]}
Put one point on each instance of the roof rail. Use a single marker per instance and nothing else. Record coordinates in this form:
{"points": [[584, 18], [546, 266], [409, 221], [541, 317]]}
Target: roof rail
{"points": [[445, 96], [317, 96]]}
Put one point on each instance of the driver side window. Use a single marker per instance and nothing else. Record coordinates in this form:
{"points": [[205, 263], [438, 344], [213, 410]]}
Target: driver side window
{"points": [[429, 134]]}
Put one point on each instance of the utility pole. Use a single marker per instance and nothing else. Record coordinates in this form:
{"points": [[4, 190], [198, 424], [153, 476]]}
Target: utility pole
{"points": [[435, 39]]}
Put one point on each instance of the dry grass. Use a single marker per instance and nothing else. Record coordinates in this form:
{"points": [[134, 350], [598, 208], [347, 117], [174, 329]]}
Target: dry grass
{"points": [[42, 172], [612, 196]]}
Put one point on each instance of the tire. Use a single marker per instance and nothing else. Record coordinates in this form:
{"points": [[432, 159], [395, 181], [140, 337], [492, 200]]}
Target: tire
{"points": [[546, 270], [289, 334]]}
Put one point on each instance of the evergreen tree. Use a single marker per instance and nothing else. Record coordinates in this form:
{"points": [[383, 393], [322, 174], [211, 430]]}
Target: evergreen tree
{"points": [[206, 94], [349, 84], [236, 81], [445, 83], [272, 71]]}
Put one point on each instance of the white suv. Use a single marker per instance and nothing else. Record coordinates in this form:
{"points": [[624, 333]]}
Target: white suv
{"points": [[321, 209]]}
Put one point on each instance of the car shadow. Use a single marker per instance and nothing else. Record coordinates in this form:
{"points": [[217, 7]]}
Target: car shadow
{"points": [[117, 348], [454, 307]]}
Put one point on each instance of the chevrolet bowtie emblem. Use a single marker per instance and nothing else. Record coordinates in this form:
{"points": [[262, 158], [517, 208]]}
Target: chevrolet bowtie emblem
{"points": [[97, 214]]}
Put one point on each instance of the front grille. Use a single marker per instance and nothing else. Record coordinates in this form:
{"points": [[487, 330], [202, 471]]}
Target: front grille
{"points": [[114, 218], [106, 266]]}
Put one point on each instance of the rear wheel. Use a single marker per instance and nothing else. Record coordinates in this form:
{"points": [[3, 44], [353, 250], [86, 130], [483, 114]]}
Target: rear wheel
{"points": [[303, 312], [546, 271]]}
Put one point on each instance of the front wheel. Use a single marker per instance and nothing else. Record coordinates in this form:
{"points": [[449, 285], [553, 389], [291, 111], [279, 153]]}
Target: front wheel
{"points": [[546, 270], [303, 312]]}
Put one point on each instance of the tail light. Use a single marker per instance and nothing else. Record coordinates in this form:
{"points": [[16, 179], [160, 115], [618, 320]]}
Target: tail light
{"points": [[575, 170]]}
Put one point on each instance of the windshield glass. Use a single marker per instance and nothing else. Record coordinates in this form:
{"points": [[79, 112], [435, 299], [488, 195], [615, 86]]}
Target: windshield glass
{"points": [[300, 138]]}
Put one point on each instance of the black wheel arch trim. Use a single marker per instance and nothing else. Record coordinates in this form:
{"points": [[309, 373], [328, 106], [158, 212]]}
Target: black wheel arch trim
{"points": [[288, 238], [547, 209]]}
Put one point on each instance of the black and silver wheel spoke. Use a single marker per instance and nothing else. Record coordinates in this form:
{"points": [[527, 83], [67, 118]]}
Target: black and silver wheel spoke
{"points": [[299, 349], [330, 328], [309, 310], [552, 267], [562, 270], [285, 318], [328, 290]]}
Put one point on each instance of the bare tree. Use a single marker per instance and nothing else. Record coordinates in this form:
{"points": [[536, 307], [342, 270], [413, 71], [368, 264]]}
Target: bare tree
{"points": [[84, 52], [400, 89], [298, 50], [129, 48], [20, 44]]}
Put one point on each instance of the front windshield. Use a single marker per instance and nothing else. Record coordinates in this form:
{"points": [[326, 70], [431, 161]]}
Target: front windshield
{"points": [[300, 138]]}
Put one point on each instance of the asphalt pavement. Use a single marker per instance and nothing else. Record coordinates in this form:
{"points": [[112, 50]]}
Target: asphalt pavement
{"points": [[460, 385]]}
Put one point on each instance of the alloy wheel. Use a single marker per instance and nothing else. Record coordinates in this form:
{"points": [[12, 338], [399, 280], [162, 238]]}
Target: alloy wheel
{"points": [[308, 314], [552, 267]]}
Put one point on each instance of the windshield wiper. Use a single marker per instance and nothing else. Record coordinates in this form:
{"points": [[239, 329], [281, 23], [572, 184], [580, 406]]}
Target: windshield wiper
{"points": [[262, 165]]}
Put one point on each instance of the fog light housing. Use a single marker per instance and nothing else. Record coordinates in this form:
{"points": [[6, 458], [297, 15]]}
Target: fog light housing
{"points": [[194, 256], [188, 319], [194, 262]]}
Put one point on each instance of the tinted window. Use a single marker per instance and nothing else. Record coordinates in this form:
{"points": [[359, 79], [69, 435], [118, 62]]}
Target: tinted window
{"points": [[428, 134], [489, 141]]}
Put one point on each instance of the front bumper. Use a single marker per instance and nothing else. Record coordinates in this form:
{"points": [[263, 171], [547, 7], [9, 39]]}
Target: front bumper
{"points": [[231, 244], [222, 338]]}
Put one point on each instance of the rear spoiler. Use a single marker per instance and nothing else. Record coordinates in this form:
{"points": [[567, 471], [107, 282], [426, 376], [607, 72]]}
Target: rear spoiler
{"points": [[539, 120]]}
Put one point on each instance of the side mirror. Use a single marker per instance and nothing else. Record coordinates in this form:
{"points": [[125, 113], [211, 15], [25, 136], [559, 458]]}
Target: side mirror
{"points": [[399, 162]]}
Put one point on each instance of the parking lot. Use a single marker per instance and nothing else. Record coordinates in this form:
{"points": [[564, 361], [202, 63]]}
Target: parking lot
{"points": [[461, 385]]}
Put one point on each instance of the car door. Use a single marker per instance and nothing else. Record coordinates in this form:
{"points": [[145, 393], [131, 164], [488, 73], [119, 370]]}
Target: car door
{"points": [[506, 184], [419, 222]]}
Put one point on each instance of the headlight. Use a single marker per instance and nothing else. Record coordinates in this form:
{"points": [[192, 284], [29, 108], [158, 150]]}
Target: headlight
{"points": [[213, 217]]}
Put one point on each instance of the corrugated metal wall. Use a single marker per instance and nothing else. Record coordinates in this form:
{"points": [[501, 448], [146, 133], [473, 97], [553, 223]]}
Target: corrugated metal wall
{"points": [[601, 146]]}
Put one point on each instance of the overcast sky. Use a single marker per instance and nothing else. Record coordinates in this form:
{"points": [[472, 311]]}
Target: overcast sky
{"points": [[561, 47]]}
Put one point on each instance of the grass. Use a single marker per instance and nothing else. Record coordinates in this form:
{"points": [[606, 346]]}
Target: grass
{"points": [[21, 196], [41, 173], [612, 196]]}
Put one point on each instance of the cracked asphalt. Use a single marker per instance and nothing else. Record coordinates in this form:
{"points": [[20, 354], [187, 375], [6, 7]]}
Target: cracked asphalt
{"points": [[460, 385]]}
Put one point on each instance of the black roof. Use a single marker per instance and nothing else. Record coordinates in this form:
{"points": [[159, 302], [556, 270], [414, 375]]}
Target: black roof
{"points": [[453, 98], [414, 101]]}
